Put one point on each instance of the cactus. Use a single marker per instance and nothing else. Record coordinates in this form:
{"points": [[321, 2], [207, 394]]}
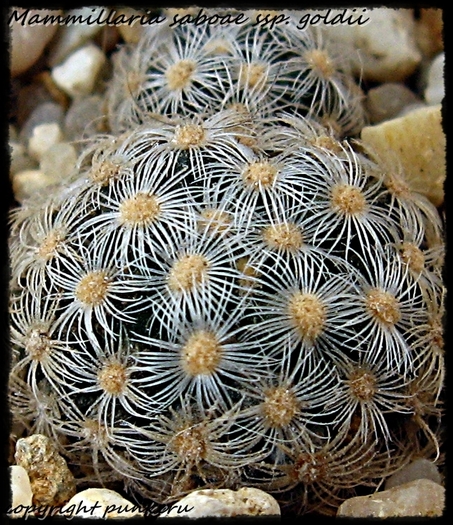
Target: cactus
{"points": [[230, 290]]}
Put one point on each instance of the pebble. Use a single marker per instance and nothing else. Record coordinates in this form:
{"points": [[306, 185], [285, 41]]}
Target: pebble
{"points": [[417, 141], [43, 137], [85, 117], [429, 32], [418, 498], [77, 75], [29, 41], [19, 159], [435, 89], [388, 100], [225, 503], [385, 48], [420, 468], [100, 503], [58, 161], [52, 483], [71, 37], [131, 33], [21, 494], [44, 113]]}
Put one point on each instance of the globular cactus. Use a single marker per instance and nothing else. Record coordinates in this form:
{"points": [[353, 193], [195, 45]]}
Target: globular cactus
{"points": [[230, 291]]}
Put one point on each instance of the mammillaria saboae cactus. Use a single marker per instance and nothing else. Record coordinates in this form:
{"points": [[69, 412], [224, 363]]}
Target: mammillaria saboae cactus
{"points": [[231, 291]]}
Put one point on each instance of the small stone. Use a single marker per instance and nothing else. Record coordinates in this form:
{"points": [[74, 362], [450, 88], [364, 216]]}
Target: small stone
{"points": [[418, 498], [429, 31], [388, 100], [43, 137], [29, 183], [21, 494], [130, 33], [382, 50], [28, 41], [44, 113], [52, 483], [77, 75], [85, 117], [58, 161], [421, 468], [417, 141], [75, 35], [225, 503], [100, 503], [19, 159], [435, 89]]}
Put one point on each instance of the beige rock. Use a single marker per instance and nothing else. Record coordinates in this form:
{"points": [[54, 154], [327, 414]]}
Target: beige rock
{"points": [[58, 161], [132, 32], [417, 141], [19, 159], [429, 31], [100, 503], [43, 137], [52, 483], [28, 183], [225, 503], [384, 49], [419, 498], [28, 41], [21, 494]]}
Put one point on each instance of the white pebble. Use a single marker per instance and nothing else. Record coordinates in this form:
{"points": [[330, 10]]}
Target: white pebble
{"points": [[100, 503], [21, 494], [72, 36], [385, 48], [77, 75], [435, 89], [225, 503], [43, 137]]}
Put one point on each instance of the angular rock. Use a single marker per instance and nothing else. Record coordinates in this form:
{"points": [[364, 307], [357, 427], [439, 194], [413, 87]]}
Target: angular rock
{"points": [[99, 503], [51, 481], [417, 141], [21, 494], [387, 44], [77, 75], [225, 503], [418, 498]]}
